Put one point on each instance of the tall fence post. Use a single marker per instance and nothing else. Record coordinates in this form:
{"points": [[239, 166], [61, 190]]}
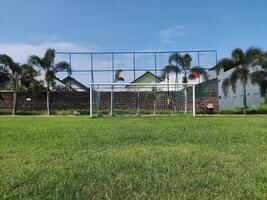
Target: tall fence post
{"points": [[111, 101], [194, 101], [138, 108], [91, 101]]}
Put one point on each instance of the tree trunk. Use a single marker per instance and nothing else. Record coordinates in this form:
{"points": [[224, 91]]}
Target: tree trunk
{"points": [[168, 93], [14, 97], [244, 99], [14, 102], [185, 99], [48, 101]]}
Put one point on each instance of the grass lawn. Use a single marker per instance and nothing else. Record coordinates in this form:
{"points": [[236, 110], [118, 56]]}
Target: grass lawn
{"points": [[133, 158]]}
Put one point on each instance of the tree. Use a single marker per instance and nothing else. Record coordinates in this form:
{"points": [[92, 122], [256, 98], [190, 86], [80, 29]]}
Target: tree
{"points": [[182, 64], [118, 76], [10, 70], [50, 69], [241, 62]]}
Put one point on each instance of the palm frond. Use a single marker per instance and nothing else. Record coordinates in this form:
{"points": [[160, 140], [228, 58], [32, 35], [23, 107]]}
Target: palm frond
{"points": [[4, 74], [202, 71], [62, 67], [253, 54], [49, 57], [225, 64], [234, 77], [7, 62], [225, 86], [170, 69], [258, 76], [175, 58], [28, 69], [261, 61], [120, 79], [186, 61], [118, 76], [238, 55], [36, 61], [27, 76]]}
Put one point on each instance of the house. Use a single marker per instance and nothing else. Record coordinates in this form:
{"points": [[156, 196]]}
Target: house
{"points": [[235, 100], [58, 82], [74, 84], [147, 77]]}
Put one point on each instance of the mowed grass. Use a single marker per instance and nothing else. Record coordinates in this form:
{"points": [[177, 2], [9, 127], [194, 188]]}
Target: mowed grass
{"points": [[133, 158]]}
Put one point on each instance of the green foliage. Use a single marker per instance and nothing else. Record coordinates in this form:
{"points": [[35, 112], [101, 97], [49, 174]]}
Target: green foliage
{"points": [[182, 63], [47, 65], [9, 70], [133, 158], [118, 76]]}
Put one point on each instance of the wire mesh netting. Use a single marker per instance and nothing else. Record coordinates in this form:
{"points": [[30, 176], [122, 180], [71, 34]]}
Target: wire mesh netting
{"points": [[141, 99], [97, 71]]}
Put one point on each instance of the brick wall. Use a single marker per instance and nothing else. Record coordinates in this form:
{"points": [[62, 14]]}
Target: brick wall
{"points": [[37, 101], [81, 100]]}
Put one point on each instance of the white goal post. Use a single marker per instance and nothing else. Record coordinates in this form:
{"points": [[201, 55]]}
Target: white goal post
{"points": [[142, 99]]}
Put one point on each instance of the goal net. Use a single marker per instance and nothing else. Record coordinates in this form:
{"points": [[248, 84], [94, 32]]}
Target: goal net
{"points": [[141, 99]]}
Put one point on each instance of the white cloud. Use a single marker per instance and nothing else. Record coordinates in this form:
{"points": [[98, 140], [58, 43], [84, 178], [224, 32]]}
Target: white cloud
{"points": [[171, 35], [20, 51]]}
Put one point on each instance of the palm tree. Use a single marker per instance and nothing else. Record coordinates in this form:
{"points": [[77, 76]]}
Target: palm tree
{"points": [[241, 62], [118, 76], [188, 70], [172, 67], [47, 64], [182, 63], [10, 70], [167, 70]]}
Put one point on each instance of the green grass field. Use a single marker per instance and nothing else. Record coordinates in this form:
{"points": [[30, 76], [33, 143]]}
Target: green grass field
{"points": [[133, 158]]}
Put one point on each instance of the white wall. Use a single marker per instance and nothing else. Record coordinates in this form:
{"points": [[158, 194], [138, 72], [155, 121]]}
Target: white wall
{"points": [[233, 100], [180, 81]]}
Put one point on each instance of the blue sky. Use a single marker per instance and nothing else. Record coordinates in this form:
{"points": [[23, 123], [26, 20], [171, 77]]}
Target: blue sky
{"points": [[31, 26]]}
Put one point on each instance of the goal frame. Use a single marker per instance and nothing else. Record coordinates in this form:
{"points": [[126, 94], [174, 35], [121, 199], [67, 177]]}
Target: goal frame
{"points": [[142, 84]]}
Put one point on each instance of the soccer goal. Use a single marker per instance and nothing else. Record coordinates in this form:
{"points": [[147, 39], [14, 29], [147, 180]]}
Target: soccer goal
{"points": [[116, 99]]}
